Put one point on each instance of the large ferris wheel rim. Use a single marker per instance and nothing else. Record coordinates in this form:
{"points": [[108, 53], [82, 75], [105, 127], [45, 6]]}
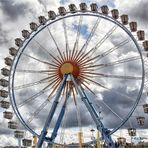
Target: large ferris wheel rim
{"points": [[48, 23]]}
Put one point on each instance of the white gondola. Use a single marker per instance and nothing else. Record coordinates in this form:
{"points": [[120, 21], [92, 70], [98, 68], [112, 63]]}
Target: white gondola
{"points": [[145, 45], [5, 71], [115, 13], [140, 120], [72, 8], [62, 11], [19, 134], [51, 15], [25, 34], [105, 9], [8, 115], [145, 107], [4, 93], [140, 35], [94, 7], [133, 26], [8, 61], [18, 42], [27, 142], [83, 7], [12, 125], [5, 104], [4, 83], [121, 141], [132, 132], [12, 51], [42, 20], [33, 26], [124, 19]]}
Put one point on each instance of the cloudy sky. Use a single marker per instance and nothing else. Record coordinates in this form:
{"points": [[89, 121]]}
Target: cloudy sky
{"points": [[16, 15]]}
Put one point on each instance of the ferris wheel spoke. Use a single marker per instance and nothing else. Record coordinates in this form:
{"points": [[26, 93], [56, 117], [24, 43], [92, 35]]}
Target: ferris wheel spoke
{"points": [[34, 71], [54, 89], [66, 38], [44, 62], [53, 73], [80, 55], [107, 35], [61, 56], [45, 80], [114, 113], [88, 88], [52, 84], [86, 82], [64, 55], [74, 96], [121, 61], [77, 38], [112, 76], [56, 60], [69, 55], [90, 80], [121, 94], [113, 49], [100, 56], [65, 88], [38, 110], [105, 87], [116, 92], [33, 97]]}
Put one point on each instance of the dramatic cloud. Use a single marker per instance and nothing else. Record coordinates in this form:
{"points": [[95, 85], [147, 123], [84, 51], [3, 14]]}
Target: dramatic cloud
{"points": [[115, 101], [13, 10]]}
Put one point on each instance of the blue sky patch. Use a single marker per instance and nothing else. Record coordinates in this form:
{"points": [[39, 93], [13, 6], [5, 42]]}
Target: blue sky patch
{"points": [[84, 30], [63, 1]]}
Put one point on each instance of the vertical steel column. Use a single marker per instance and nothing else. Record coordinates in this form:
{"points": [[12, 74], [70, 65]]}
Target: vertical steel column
{"points": [[51, 113], [19, 143], [59, 120], [93, 113], [98, 139], [80, 135]]}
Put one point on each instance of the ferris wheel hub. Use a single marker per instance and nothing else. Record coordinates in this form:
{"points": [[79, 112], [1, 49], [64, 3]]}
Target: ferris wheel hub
{"points": [[69, 67], [66, 68]]}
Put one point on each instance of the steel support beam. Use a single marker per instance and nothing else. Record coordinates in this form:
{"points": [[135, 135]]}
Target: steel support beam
{"points": [[105, 132], [59, 120], [51, 113]]}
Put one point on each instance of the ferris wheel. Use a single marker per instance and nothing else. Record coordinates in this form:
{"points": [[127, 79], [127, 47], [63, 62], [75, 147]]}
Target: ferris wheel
{"points": [[73, 66]]}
